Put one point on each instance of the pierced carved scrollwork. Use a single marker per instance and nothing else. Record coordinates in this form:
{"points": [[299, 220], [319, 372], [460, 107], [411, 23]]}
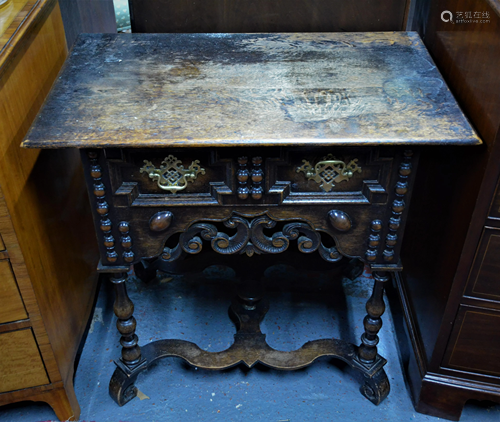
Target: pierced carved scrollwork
{"points": [[329, 170], [251, 239], [172, 175]]}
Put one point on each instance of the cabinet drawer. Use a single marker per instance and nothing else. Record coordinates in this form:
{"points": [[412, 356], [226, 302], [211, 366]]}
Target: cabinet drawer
{"points": [[11, 304], [20, 363], [484, 277], [475, 341]]}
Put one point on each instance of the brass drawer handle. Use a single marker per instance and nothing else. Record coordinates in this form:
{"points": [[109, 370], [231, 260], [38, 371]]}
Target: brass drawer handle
{"points": [[329, 170], [172, 175]]}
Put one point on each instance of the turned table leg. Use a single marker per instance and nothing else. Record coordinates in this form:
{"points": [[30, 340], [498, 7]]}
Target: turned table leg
{"points": [[376, 386], [121, 386], [126, 324]]}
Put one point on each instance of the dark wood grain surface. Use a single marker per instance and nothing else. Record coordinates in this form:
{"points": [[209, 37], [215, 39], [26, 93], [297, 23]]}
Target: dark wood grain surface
{"points": [[142, 90], [266, 16]]}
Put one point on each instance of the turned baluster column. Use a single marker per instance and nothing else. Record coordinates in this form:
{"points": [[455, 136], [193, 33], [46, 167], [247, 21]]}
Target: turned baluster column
{"points": [[375, 307], [126, 324]]}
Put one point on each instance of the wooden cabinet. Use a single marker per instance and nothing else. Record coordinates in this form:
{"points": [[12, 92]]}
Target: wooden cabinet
{"points": [[47, 265], [450, 289]]}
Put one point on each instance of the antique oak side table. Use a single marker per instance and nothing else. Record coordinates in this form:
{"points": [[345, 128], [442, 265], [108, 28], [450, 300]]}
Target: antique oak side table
{"points": [[246, 145]]}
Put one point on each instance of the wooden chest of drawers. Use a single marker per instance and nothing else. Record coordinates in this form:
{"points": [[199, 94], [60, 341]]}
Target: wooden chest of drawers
{"points": [[44, 264], [248, 145]]}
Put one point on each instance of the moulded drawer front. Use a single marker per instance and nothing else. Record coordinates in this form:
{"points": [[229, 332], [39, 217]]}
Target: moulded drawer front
{"points": [[11, 304], [20, 363], [475, 341]]}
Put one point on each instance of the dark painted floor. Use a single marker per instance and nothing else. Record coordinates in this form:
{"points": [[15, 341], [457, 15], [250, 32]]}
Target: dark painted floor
{"points": [[303, 308]]}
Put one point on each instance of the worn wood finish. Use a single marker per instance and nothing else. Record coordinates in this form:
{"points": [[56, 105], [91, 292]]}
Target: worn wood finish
{"points": [[266, 16], [290, 153], [456, 228], [279, 89], [20, 370], [52, 260]]}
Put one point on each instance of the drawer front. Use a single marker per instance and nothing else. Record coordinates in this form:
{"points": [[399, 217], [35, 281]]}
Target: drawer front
{"points": [[484, 277], [475, 341], [2, 245], [248, 176], [347, 201], [20, 363], [11, 304]]}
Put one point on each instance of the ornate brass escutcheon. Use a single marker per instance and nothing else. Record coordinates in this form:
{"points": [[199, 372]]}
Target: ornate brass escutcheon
{"points": [[329, 170], [172, 175]]}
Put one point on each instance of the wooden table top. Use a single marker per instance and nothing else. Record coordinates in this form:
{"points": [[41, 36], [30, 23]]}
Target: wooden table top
{"points": [[196, 90]]}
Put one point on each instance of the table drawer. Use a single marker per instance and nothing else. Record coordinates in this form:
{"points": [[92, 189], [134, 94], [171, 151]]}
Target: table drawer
{"points": [[11, 304], [248, 176], [20, 363]]}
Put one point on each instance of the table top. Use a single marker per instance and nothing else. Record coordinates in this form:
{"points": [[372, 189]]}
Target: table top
{"points": [[201, 90]]}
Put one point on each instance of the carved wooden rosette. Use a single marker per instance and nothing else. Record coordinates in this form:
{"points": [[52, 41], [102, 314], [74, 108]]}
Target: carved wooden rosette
{"points": [[102, 207], [398, 206], [250, 239]]}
